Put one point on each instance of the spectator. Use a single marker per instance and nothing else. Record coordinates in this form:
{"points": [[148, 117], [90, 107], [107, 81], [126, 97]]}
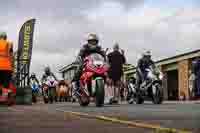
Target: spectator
{"points": [[116, 61], [196, 72]]}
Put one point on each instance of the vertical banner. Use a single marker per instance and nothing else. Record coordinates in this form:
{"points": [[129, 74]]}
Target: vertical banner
{"points": [[25, 42]]}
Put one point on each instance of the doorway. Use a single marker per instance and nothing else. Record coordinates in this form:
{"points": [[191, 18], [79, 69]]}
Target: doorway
{"points": [[172, 84]]}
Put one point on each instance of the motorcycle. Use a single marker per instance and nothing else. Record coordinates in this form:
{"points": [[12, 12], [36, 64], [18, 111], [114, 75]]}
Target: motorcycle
{"points": [[92, 80], [151, 88], [8, 95], [35, 90], [131, 91], [49, 90]]}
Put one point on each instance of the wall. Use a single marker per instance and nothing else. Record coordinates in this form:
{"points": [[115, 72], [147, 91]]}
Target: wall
{"points": [[183, 67], [164, 82]]}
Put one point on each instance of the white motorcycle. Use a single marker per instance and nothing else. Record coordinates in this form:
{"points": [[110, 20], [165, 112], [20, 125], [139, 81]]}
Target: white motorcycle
{"points": [[151, 88], [131, 92], [49, 89]]}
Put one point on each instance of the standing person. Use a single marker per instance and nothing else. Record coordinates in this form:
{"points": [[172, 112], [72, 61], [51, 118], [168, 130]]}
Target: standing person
{"points": [[6, 61], [191, 84], [196, 74], [116, 61]]}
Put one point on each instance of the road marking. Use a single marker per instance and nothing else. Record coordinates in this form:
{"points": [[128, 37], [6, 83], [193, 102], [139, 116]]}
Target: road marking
{"points": [[129, 123], [15, 110]]}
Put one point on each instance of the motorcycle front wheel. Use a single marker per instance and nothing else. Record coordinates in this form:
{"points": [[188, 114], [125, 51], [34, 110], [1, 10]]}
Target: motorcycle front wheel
{"points": [[139, 100], [34, 97], [45, 100], [157, 94], [100, 93]]}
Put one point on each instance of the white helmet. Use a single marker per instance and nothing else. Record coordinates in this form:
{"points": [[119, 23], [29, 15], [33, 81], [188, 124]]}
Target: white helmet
{"points": [[147, 53]]}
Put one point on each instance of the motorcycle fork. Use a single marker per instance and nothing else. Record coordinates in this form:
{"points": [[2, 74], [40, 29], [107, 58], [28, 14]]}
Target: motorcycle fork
{"points": [[83, 89]]}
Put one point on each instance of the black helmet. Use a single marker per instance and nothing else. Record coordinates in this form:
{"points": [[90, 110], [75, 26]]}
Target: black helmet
{"points": [[3, 35], [33, 75], [47, 69]]}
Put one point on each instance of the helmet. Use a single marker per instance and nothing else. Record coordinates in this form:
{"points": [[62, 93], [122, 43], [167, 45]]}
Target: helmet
{"points": [[32, 75], [116, 46], [47, 69], [3, 35], [147, 53], [92, 37]]}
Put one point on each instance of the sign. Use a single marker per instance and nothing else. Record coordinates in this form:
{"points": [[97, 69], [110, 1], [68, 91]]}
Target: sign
{"points": [[25, 42]]}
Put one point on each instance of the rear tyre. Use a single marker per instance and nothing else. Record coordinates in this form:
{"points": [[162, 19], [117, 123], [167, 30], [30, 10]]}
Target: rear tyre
{"points": [[100, 93], [46, 100]]}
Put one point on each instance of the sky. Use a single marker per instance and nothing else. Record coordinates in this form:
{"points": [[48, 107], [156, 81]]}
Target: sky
{"points": [[166, 27]]}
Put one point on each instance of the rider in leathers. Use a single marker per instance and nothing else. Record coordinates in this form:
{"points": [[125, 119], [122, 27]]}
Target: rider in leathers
{"points": [[33, 78], [87, 49], [143, 63], [47, 73]]}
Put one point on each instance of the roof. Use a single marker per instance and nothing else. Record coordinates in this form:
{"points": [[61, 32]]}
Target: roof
{"points": [[129, 68], [68, 67], [174, 59], [189, 55]]}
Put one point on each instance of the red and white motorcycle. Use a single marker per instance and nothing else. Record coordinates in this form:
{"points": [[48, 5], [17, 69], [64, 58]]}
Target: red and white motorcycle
{"points": [[92, 80], [49, 89]]}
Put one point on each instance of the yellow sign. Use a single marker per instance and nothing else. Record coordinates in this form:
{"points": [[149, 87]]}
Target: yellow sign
{"points": [[27, 33]]}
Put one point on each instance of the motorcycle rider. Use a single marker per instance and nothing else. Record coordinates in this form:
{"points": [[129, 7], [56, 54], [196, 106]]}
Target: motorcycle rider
{"points": [[87, 49], [34, 78], [142, 64], [47, 72]]}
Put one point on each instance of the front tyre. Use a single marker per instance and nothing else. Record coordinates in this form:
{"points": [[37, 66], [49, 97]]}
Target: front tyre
{"points": [[34, 97], [100, 93], [138, 98], [157, 94]]}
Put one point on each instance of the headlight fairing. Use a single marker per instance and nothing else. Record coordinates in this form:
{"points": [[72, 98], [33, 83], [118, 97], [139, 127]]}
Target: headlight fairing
{"points": [[98, 63]]}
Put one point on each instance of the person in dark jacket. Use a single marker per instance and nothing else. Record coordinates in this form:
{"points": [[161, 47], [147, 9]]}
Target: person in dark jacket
{"points": [[116, 61], [87, 49], [196, 73]]}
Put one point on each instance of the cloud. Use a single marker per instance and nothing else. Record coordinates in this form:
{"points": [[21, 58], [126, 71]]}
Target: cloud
{"points": [[61, 27]]}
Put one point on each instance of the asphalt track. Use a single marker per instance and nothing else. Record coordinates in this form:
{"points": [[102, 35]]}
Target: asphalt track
{"points": [[56, 117]]}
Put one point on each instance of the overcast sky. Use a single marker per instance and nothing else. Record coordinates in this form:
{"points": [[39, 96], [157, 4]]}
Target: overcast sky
{"points": [[166, 27]]}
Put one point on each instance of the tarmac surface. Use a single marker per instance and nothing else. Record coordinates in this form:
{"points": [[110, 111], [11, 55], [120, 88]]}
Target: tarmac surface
{"points": [[52, 117]]}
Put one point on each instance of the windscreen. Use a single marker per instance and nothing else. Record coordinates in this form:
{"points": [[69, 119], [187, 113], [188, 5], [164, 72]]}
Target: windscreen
{"points": [[97, 57]]}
